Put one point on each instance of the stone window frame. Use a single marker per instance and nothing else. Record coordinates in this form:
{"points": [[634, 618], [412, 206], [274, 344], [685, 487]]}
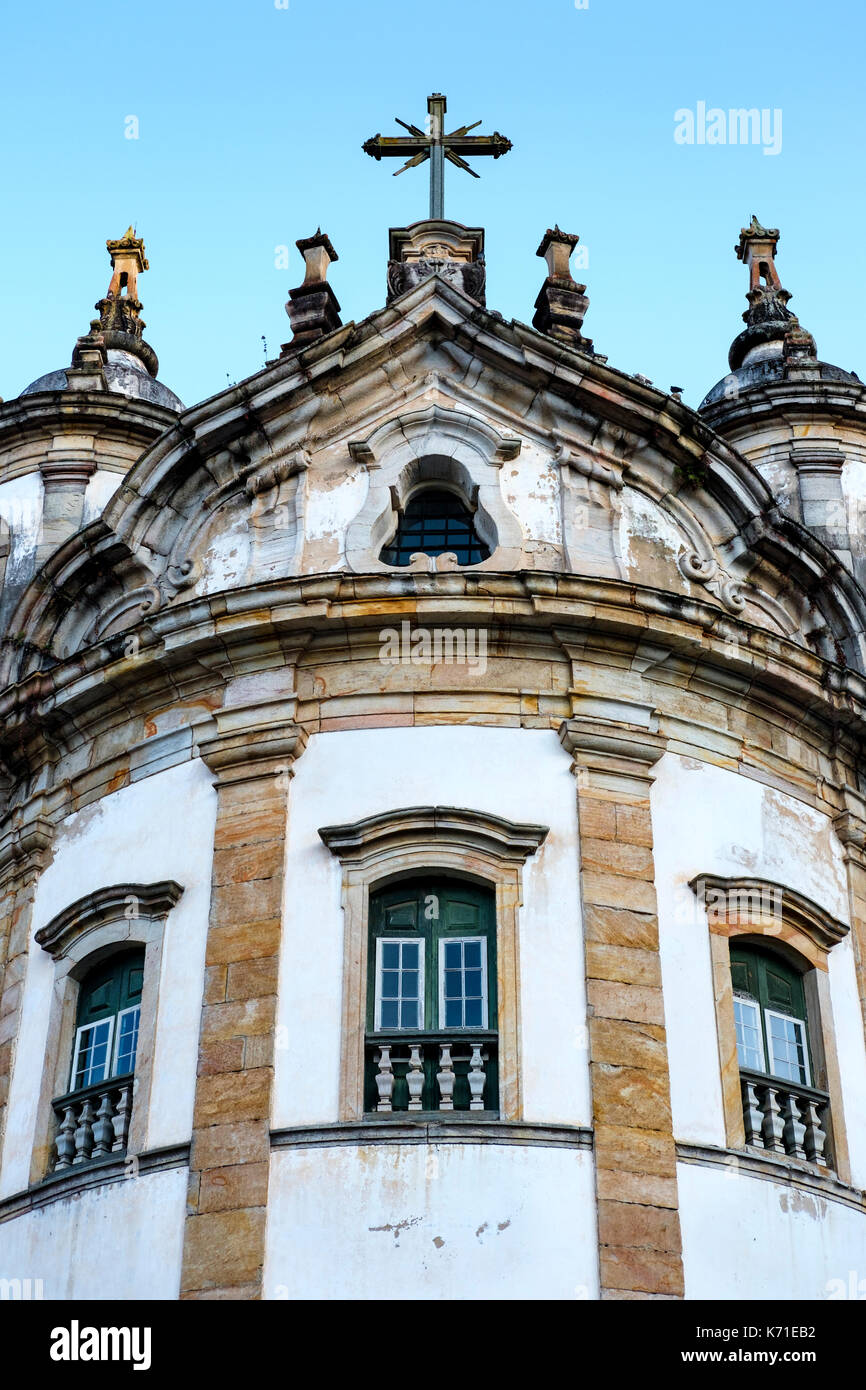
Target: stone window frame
{"points": [[802, 933], [88, 931], [433, 447], [403, 843]]}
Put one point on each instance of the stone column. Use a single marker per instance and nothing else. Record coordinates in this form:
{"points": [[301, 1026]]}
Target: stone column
{"points": [[640, 1254], [224, 1239], [24, 852], [65, 481]]}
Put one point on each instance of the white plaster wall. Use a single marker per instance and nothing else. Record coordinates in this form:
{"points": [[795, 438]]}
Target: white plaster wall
{"points": [[744, 1238], [120, 1241], [446, 1221], [21, 508], [159, 828], [530, 486], [710, 820], [101, 487], [343, 776]]}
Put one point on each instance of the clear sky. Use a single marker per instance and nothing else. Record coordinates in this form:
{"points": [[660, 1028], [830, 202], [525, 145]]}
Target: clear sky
{"points": [[251, 120]]}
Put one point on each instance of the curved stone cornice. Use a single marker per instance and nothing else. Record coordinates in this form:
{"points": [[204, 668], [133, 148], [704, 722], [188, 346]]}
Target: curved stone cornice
{"points": [[384, 835], [741, 902], [131, 901]]}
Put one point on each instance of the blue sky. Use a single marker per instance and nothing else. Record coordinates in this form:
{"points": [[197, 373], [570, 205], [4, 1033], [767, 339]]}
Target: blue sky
{"points": [[251, 120]]}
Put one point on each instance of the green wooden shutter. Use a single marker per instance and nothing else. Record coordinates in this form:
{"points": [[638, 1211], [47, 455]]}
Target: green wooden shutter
{"points": [[773, 984]]}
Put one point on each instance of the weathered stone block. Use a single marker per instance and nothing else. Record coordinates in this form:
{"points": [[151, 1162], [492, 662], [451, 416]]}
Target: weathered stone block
{"points": [[636, 1003], [238, 1186], [628, 1044], [251, 979], [218, 1145], [630, 1096], [649, 1271], [244, 940], [223, 1056], [223, 1249], [229, 1096], [238, 1019], [621, 927], [623, 963], [627, 1223], [618, 890]]}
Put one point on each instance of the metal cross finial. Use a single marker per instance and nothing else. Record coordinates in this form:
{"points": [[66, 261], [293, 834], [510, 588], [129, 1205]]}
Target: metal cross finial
{"points": [[437, 146]]}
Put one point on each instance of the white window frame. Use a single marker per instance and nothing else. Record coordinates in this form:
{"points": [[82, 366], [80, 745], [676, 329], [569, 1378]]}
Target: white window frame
{"points": [[83, 1028], [485, 1002], [130, 1009], [399, 941], [804, 1036], [753, 1004]]}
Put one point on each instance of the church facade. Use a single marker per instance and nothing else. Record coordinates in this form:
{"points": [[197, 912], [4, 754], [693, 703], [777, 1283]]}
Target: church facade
{"points": [[433, 835]]}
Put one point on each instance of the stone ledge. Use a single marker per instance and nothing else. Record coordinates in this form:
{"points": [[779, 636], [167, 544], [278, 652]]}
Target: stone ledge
{"points": [[789, 1172], [71, 1184], [432, 1132]]}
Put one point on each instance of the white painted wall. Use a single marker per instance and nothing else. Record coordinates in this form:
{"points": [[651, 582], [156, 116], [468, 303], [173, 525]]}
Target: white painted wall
{"points": [[452, 1221], [744, 1238], [159, 828], [124, 1240], [710, 820], [21, 508], [521, 774]]}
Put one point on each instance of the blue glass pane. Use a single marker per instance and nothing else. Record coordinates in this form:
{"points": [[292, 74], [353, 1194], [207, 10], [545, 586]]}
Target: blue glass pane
{"points": [[410, 984], [409, 1014], [473, 983], [410, 954], [390, 954], [127, 1043], [453, 1013], [473, 1013], [390, 987], [473, 953], [453, 955], [389, 1013], [453, 989]]}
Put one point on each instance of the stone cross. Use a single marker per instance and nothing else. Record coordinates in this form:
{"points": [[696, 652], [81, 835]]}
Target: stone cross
{"points": [[437, 146]]}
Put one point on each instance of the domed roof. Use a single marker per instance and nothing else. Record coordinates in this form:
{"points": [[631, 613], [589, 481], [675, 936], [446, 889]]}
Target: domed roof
{"points": [[773, 347], [114, 356]]}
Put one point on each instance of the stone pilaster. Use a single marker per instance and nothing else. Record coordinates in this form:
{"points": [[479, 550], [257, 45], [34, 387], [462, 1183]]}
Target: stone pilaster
{"points": [[850, 827], [224, 1240], [640, 1253], [24, 852]]}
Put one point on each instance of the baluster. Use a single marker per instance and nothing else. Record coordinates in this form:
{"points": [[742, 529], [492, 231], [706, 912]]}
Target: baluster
{"points": [[794, 1131], [84, 1133], [815, 1134], [773, 1125], [476, 1078], [103, 1130], [65, 1141], [445, 1077], [384, 1077], [415, 1076], [122, 1118], [752, 1117]]}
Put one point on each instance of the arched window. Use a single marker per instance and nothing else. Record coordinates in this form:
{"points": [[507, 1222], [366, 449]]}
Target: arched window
{"points": [[106, 1025], [770, 1016], [435, 522], [431, 997]]}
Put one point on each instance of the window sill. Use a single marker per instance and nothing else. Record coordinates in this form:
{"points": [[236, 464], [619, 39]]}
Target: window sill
{"points": [[461, 1127]]}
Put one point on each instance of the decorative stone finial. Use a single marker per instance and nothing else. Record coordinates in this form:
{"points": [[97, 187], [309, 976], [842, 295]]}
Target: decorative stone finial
{"points": [[772, 331], [436, 247], [119, 326], [562, 303], [313, 308]]}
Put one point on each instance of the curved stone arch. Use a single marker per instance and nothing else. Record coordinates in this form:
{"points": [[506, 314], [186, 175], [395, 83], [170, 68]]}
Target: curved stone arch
{"points": [[422, 447], [92, 587]]}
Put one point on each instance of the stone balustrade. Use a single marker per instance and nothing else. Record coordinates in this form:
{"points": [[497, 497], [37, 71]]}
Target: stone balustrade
{"points": [[432, 1072], [93, 1122], [780, 1117]]}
